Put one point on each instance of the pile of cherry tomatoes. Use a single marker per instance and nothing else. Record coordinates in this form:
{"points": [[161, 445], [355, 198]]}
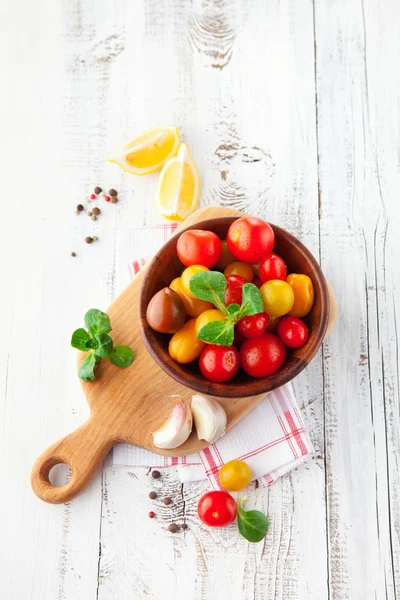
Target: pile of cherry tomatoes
{"points": [[261, 340]]}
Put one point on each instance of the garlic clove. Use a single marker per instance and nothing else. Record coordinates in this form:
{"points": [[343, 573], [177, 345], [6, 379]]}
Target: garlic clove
{"points": [[176, 429], [209, 418]]}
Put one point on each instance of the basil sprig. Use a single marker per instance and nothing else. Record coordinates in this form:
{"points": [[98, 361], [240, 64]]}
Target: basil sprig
{"points": [[211, 286], [99, 344], [252, 524]]}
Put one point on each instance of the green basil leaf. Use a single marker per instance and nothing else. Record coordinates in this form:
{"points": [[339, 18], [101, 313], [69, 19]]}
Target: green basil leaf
{"points": [[86, 370], [98, 359], [252, 303], [91, 344], [79, 339], [210, 286], [121, 356], [252, 524], [97, 321], [234, 312], [220, 333], [104, 344]]}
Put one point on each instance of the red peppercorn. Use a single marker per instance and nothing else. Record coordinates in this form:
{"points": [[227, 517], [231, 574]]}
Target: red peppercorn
{"points": [[93, 196], [107, 198], [152, 514]]}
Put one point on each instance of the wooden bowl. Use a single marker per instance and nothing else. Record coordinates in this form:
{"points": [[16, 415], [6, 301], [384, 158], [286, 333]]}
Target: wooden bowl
{"points": [[165, 266]]}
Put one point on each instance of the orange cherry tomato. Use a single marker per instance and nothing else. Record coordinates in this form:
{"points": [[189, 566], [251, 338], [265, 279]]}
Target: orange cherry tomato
{"points": [[187, 276], [226, 257], [193, 306], [303, 290], [277, 296], [240, 268], [235, 475], [184, 345]]}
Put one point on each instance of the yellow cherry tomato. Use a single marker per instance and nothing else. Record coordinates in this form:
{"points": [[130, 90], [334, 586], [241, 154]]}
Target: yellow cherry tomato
{"points": [[193, 306], [238, 268], [277, 296], [187, 276], [208, 317], [184, 345], [235, 475], [303, 289], [226, 257]]}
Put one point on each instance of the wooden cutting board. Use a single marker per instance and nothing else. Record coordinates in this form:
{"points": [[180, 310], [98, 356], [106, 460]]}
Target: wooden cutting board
{"points": [[126, 405]]}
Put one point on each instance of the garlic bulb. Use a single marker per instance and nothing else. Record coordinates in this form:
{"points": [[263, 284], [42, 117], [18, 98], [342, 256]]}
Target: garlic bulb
{"points": [[209, 418], [176, 428]]}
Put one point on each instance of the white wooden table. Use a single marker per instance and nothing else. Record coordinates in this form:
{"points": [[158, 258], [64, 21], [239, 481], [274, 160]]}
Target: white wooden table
{"points": [[291, 109]]}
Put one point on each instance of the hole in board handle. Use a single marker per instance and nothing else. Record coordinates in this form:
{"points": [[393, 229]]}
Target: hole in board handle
{"points": [[59, 474]]}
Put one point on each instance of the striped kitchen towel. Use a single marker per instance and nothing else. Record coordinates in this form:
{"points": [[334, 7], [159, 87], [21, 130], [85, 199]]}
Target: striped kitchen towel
{"points": [[271, 439]]}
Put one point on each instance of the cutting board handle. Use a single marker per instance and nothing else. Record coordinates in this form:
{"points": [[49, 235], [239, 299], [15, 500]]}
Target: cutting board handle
{"points": [[82, 450]]}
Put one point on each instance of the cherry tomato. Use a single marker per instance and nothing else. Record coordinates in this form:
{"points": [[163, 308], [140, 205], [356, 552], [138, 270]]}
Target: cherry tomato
{"points": [[165, 311], [235, 475], [219, 363], [272, 324], [272, 267], [187, 276], [262, 356], [208, 317], [226, 257], [193, 306], [184, 345], [217, 509], [253, 326], [303, 290], [233, 293], [250, 239], [277, 296], [240, 268], [293, 332], [198, 247]]}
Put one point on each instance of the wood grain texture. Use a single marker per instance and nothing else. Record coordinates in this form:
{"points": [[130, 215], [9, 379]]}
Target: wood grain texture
{"points": [[81, 77]]}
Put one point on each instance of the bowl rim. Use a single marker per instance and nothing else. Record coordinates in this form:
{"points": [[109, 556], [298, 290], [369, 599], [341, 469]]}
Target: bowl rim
{"points": [[234, 389]]}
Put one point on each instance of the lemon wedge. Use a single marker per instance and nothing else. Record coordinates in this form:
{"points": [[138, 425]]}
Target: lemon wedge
{"points": [[149, 151], [178, 188]]}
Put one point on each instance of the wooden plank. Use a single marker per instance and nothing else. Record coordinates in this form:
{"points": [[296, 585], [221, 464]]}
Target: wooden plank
{"points": [[359, 177], [254, 142]]}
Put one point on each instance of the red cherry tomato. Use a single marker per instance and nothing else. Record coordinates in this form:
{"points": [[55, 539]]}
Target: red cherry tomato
{"points": [[272, 267], [217, 509], [198, 247], [233, 293], [293, 332], [219, 363], [249, 239], [262, 356], [253, 326]]}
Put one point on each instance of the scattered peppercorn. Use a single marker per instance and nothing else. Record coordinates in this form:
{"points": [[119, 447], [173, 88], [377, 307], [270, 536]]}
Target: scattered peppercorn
{"points": [[79, 207], [152, 514], [156, 474], [114, 200], [97, 189], [113, 192], [93, 196], [77, 212], [107, 198], [152, 495], [89, 240], [102, 194], [73, 253], [184, 526], [94, 218], [96, 211], [173, 528], [95, 238], [167, 501], [89, 213]]}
